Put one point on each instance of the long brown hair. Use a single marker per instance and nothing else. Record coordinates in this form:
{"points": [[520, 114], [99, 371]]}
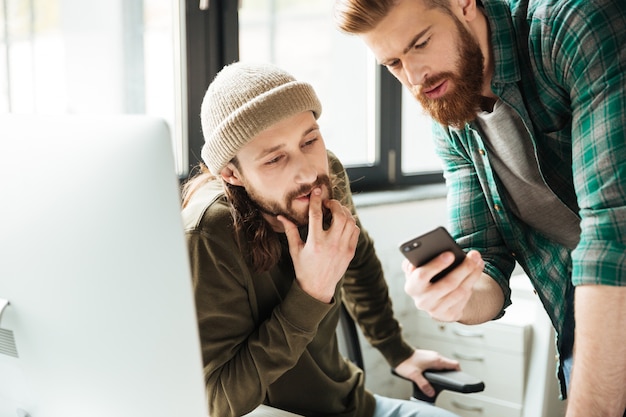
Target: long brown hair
{"points": [[262, 247]]}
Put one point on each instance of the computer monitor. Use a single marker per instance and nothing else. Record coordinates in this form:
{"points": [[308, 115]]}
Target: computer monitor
{"points": [[100, 319]]}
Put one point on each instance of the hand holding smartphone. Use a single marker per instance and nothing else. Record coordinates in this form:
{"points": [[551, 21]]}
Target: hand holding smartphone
{"points": [[424, 248]]}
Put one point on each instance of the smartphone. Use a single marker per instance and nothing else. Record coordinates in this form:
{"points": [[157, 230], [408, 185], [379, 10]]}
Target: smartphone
{"points": [[424, 248]]}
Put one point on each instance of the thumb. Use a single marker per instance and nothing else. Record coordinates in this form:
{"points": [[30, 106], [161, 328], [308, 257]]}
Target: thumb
{"points": [[292, 233], [424, 385]]}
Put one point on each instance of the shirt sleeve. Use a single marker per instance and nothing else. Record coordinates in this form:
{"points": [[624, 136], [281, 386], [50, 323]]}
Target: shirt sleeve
{"points": [[588, 59]]}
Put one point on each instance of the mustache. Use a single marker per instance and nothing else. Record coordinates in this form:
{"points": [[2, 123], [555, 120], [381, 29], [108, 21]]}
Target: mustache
{"points": [[430, 83], [322, 180]]}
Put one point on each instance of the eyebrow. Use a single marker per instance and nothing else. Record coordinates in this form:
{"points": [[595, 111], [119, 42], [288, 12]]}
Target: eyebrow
{"points": [[315, 126], [267, 151], [409, 44]]}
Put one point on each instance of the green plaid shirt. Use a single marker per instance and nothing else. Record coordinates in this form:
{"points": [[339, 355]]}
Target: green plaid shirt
{"points": [[561, 64]]}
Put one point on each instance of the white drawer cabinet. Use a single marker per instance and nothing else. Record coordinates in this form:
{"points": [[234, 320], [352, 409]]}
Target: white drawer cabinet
{"points": [[514, 356], [478, 406], [493, 335]]}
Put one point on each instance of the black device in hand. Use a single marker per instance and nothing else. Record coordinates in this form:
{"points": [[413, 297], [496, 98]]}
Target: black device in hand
{"points": [[424, 248]]}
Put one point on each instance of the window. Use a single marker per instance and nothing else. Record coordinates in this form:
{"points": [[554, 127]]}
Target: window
{"points": [[299, 37], [83, 57], [418, 151]]}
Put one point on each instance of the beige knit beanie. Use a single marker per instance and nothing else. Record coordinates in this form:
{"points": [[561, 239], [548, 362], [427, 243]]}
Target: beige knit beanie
{"points": [[245, 99]]}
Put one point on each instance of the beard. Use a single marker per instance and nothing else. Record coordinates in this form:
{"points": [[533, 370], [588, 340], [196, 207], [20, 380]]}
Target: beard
{"points": [[460, 105], [285, 208]]}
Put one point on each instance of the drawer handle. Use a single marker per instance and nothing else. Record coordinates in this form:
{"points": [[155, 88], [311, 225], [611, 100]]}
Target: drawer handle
{"points": [[467, 333], [464, 407], [468, 357]]}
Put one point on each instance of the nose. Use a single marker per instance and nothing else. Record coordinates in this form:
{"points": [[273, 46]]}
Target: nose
{"points": [[306, 172], [415, 72]]}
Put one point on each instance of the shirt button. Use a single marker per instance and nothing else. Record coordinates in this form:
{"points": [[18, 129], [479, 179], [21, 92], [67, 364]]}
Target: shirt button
{"points": [[497, 207], [482, 152]]}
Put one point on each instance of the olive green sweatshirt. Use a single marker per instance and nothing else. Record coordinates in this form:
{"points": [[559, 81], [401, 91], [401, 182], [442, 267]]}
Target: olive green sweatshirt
{"points": [[264, 340]]}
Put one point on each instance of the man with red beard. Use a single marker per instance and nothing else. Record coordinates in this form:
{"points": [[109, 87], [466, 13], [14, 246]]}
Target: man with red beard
{"points": [[275, 246], [529, 100]]}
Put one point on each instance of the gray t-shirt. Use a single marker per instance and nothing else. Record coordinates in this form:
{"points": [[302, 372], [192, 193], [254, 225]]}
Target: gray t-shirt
{"points": [[512, 157]]}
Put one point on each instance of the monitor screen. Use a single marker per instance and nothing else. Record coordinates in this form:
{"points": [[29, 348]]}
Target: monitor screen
{"points": [[97, 315]]}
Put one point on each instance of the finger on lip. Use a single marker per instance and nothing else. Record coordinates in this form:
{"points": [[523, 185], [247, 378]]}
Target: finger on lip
{"points": [[314, 192], [308, 194]]}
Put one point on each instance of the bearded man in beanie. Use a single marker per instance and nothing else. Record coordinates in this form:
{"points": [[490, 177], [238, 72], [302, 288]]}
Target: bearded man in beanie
{"points": [[275, 246]]}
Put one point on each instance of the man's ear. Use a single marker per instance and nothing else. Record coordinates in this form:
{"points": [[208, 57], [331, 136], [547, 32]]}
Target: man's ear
{"points": [[231, 175], [468, 8]]}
